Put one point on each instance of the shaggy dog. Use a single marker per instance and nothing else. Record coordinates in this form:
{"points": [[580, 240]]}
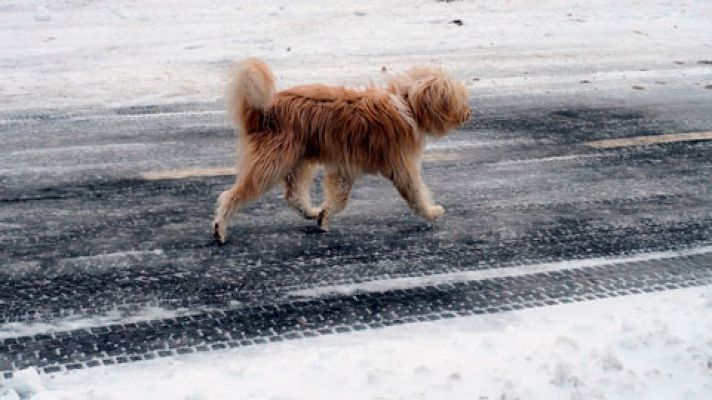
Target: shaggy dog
{"points": [[378, 130]]}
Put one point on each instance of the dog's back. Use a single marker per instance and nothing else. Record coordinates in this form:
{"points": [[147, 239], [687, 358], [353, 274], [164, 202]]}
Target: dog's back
{"points": [[361, 129]]}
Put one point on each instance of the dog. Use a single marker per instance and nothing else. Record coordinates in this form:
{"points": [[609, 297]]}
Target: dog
{"points": [[283, 136]]}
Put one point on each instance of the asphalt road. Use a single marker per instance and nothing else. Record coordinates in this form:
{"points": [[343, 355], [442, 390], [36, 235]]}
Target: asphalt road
{"points": [[97, 215]]}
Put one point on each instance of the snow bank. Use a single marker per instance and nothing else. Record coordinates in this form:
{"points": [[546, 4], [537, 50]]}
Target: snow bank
{"points": [[61, 53], [653, 346]]}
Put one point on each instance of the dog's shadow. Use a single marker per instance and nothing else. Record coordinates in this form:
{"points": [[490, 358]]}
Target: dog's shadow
{"points": [[398, 228], [306, 230], [312, 230], [417, 228]]}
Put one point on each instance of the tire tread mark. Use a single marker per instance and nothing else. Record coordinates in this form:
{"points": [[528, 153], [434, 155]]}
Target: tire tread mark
{"points": [[229, 328]]}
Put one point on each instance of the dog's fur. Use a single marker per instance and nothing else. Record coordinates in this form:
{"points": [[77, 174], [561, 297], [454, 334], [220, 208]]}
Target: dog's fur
{"points": [[285, 135]]}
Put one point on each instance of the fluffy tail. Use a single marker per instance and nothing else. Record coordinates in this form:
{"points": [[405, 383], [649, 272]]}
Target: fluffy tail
{"points": [[250, 92]]}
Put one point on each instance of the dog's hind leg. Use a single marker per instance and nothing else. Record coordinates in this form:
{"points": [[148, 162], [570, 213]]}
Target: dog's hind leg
{"points": [[337, 188], [298, 185], [409, 183], [255, 178]]}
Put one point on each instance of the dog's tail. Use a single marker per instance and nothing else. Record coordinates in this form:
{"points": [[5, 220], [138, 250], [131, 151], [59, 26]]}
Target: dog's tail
{"points": [[250, 92]]}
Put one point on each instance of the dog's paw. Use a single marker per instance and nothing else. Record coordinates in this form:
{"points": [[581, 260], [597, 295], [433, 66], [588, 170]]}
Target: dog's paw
{"points": [[219, 232], [311, 213], [434, 212], [323, 220]]}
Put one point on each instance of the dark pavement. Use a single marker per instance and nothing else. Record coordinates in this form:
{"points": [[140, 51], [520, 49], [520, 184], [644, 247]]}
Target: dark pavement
{"points": [[83, 232]]}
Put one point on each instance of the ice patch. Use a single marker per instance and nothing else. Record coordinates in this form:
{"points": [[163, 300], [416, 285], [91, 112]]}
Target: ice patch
{"points": [[109, 261], [571, 157], [86, 149], [17, 329], [481, 144], [8, 226], [95, 264]]}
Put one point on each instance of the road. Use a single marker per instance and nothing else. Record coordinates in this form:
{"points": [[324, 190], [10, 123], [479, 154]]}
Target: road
{"points": [[109, 210]]}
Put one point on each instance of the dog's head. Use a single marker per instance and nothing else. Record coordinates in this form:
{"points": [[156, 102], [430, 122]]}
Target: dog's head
{"points": [[439, 103]]}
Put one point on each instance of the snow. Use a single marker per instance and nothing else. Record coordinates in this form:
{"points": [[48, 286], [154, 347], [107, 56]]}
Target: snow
{"points": [[60, 53], [94, 264], [72, 322], [652, 346]]}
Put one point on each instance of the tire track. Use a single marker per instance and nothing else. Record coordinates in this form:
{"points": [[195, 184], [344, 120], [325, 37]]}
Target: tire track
{"points": [[229, 328]]}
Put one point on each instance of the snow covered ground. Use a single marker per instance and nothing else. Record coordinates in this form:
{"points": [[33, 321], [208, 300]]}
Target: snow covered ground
{"points": [[653, 346], [80, 52]]}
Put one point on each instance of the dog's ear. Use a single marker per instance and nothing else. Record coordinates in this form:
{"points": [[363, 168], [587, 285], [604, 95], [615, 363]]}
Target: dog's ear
{"points": [[400, 84], [426, 103], [439, 103]]}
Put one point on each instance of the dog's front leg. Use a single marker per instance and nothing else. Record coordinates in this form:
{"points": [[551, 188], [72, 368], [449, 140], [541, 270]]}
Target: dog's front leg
{"points": [[409, 183], [226, 205]]}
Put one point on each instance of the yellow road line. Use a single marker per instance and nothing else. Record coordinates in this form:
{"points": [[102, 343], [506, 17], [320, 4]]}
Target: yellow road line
{"points": [[440, 156], [648, 140], [188, 173], [184, 173]]}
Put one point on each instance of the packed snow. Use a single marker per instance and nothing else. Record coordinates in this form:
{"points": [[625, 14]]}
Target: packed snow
{"points": [[652, 346], [62, 53]]}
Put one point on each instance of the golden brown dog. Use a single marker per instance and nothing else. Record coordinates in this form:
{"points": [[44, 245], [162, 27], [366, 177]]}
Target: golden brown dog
{"points": [[285, 135]]}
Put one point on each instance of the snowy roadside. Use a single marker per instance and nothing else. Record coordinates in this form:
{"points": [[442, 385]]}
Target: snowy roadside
{"points": [[652, 346], [108, 53]]}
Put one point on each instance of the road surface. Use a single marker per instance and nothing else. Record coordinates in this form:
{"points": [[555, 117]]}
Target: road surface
{"points": [[110, 210]]}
